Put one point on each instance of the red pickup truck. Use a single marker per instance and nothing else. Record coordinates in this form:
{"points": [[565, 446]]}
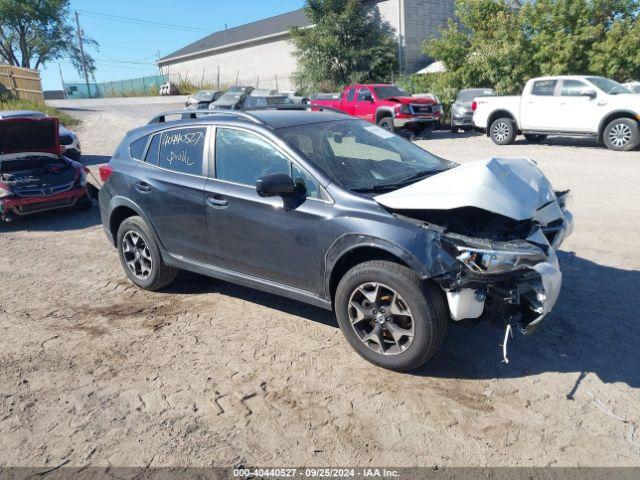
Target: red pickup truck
{"points": [[387, 105]]}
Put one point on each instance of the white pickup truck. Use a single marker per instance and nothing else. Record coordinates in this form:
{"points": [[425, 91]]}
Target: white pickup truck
{"points": [[565, 105]]}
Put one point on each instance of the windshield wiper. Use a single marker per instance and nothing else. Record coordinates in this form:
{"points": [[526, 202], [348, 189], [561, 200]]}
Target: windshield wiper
{"points": [[394, 186]]}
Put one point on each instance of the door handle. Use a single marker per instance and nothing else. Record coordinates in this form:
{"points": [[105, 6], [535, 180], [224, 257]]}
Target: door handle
{"points": [[217, 202], [143, 187]]}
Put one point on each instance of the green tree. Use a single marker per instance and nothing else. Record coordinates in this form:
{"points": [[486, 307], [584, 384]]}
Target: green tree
{"points": [[501, 44], [349, 43], [34, 32]]}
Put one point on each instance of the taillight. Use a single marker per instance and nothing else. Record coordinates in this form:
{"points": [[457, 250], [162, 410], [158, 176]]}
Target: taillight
{"points": [[474, 105], [105, 171]]}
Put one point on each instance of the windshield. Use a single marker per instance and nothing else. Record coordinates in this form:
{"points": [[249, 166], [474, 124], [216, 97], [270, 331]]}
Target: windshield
{"points": [[466, 96], [389, 92], [363, 157], [267, 101], [608, 86], [205, 96], [229, 98]]}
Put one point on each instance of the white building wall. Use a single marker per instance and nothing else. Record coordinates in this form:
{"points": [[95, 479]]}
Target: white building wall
{"points": [[256, 64], [260, 63]]}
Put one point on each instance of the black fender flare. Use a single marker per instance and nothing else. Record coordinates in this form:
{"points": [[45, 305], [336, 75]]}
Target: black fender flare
{"points": [[616, 114], [118, 201], [352, 241], [384, 110]]}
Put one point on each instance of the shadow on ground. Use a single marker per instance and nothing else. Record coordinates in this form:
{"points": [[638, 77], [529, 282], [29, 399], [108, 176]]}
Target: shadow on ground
{"points": [[54, 221], [594, 328], [549, 141]]}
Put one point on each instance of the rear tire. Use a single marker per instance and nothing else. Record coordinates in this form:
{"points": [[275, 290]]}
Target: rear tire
{"points": [[386, 123], [145, 269], [408, 306], [622, 135], [534, 138], [503, 131]]}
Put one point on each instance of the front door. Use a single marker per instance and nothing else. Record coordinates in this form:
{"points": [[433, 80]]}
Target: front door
{"points": [[365, 106], [578, 112], [271, 238], [169, 187]]}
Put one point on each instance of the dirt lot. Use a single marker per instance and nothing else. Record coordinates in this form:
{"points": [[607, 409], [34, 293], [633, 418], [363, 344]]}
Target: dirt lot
{"points": [[206, 373]]}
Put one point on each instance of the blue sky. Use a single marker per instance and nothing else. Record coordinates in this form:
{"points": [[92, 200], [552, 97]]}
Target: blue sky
{"points": [[124, 41]]}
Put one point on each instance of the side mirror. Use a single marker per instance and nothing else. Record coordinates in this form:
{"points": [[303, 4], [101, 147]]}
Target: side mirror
{"points": [[275, 184], [588, 92]]}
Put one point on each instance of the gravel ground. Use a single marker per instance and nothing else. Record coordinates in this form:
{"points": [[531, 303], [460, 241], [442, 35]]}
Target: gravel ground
{"points": [[96, 372]]}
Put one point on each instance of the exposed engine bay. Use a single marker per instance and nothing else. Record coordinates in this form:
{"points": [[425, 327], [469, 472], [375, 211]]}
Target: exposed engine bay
{"points": [[37, 175]]}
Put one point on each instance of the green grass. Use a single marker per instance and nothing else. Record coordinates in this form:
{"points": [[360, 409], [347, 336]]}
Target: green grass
{"points": [[64, 118]]}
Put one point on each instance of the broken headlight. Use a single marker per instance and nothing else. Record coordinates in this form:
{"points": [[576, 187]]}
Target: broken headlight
{"points": [[485, 260]]}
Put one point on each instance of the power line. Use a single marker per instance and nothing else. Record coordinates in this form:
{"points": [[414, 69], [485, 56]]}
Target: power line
{"points": [[111, 60], [139, 21]]}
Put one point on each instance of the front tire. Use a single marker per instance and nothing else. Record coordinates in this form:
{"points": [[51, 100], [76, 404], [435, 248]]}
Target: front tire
{"points": [[390, 316], [386, 123], [622, 135], [503, 131], [140, 256]]}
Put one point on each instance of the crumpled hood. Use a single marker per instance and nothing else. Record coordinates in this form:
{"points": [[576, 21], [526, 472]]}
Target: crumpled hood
{"points": [[409, 100], [512, 187]]}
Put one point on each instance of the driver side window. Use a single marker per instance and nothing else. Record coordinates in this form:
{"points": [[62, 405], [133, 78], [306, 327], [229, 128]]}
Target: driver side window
{"points": [[243, 157]]}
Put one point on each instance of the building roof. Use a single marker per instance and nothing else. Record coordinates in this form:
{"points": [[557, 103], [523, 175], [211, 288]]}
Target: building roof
{"points": [[242, 34]]}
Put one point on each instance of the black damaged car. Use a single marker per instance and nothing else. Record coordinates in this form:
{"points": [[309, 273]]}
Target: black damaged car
{"points": [[336, 212]]}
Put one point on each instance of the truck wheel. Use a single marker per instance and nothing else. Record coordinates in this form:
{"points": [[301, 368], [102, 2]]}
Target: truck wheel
{"points": [[386, 123], [534, 138], [140, 256], [389, 316], [454, 130], [622, 135], [503, 131]]}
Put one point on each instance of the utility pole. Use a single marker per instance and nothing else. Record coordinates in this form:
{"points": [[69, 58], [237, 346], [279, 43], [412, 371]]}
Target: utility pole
{"points": [[64, 92], [84, 62]]}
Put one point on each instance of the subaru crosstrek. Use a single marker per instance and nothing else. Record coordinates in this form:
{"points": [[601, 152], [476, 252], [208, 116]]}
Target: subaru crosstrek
{"points": [[339, 213]]}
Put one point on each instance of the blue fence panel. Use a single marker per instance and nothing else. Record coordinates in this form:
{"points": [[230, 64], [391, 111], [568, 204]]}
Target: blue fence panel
{"points": [[132, 87]]}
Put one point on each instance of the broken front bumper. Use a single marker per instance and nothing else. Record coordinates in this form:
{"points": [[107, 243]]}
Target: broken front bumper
{"points": [[523, 296], [27, 205]]}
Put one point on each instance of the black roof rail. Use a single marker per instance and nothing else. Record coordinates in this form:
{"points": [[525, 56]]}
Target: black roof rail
{"points": [[187, 114]]}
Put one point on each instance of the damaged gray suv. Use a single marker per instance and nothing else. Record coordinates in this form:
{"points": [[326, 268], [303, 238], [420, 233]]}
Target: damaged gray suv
{"points": [[333, 211]]}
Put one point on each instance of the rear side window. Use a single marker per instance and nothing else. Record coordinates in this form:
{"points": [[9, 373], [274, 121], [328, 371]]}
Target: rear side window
{"points": [[136, 149], [544, 88], [182, 150]]}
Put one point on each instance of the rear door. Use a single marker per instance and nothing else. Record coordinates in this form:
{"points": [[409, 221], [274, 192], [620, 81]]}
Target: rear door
{"points": [[270, 238], [540, 105], [169, 187], [349, 100]]}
